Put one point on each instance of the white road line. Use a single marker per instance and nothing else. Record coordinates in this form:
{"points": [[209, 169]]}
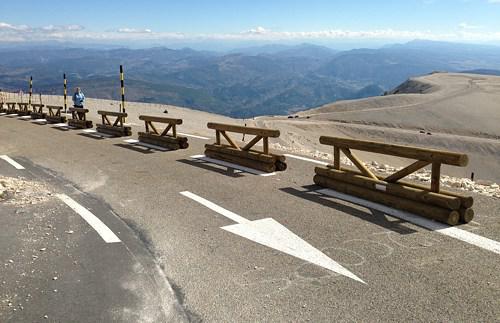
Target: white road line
{"points": [[231, 165], [136, 142], [39, 120], [11, 161], [270, 233], [465, 236], [307, 159], [3, 113], [194, 136], [214, 207], [12, 115], [95, 133], [24, 117], [62, 125], [106, 234]]}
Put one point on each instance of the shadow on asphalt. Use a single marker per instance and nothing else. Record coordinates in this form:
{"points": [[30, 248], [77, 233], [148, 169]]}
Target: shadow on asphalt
{"points": [[92, 136], [139, 149], [227, 172], [374, 216]]}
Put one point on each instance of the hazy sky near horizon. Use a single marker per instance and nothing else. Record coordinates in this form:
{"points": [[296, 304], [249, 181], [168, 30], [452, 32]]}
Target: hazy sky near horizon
{"points": [[232, 20]]}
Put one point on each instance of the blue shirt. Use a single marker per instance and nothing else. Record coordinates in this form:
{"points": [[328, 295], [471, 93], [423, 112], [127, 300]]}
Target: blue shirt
{"points": [[78, 99]]}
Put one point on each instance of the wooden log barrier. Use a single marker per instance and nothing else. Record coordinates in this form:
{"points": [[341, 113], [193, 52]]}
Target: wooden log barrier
{"points": [[261, 160], [408, 192], [450, 217], [23, 109], [79, 118], [166, 137], [465, 201], [430, 202], [11, 107], [115, 128], [37, 111], [54, 114]]}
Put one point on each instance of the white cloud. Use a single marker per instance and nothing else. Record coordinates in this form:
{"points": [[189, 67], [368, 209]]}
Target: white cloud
{"points": [[465, 25], [52, 28], [19, 33], [134, 31], [5, 26]]}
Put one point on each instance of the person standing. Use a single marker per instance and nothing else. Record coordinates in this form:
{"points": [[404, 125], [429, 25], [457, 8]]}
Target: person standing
{"points": [[78, 98]]}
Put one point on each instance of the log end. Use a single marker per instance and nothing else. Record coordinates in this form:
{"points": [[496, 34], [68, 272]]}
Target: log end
{"points": [[466, 215], [280, 166], [453, 218]]}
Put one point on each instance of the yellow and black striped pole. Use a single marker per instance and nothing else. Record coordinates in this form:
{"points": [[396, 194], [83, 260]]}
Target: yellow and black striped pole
{"points": [[31, 90], [123, 89], [65, 93]]}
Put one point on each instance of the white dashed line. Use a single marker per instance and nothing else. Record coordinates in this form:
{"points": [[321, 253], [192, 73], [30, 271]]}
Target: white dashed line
{"points": [[106, 234], [307, 159], [231, 165], [193, 136], [11, 161], [465, 236], [95, 133], [136, 142]]}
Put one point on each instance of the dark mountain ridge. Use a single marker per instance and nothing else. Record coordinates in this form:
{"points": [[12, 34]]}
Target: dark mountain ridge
{"points": [[273, 80]]}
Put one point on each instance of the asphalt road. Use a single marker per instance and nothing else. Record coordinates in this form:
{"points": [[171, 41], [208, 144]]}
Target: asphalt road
{"points": [[223, 264]]}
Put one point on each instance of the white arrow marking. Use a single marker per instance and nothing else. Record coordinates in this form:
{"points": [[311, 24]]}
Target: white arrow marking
{"points": [[272, 234]]}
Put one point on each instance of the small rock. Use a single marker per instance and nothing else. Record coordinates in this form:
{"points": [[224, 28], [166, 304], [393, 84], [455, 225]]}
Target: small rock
{"points": [[70, 232], [45, 316], [43, 249], [54, 278], [11, 261]]}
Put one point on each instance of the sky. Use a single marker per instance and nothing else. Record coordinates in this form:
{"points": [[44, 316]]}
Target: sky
{"points": [[165, 21]]}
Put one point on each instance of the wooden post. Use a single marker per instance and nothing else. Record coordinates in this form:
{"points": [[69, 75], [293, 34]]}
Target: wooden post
{"points": [[31, 90], [217, 137], [435, 176], [266, 145], [336, 158], [65, 94], [122, 83]]}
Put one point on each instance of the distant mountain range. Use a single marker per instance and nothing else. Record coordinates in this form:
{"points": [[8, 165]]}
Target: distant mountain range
{"points": [[272, 79]]}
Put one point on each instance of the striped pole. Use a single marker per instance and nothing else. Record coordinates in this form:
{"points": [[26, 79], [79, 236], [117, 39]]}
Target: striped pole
{"points": [[65, 93], [123, 89], [31, 90]]}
